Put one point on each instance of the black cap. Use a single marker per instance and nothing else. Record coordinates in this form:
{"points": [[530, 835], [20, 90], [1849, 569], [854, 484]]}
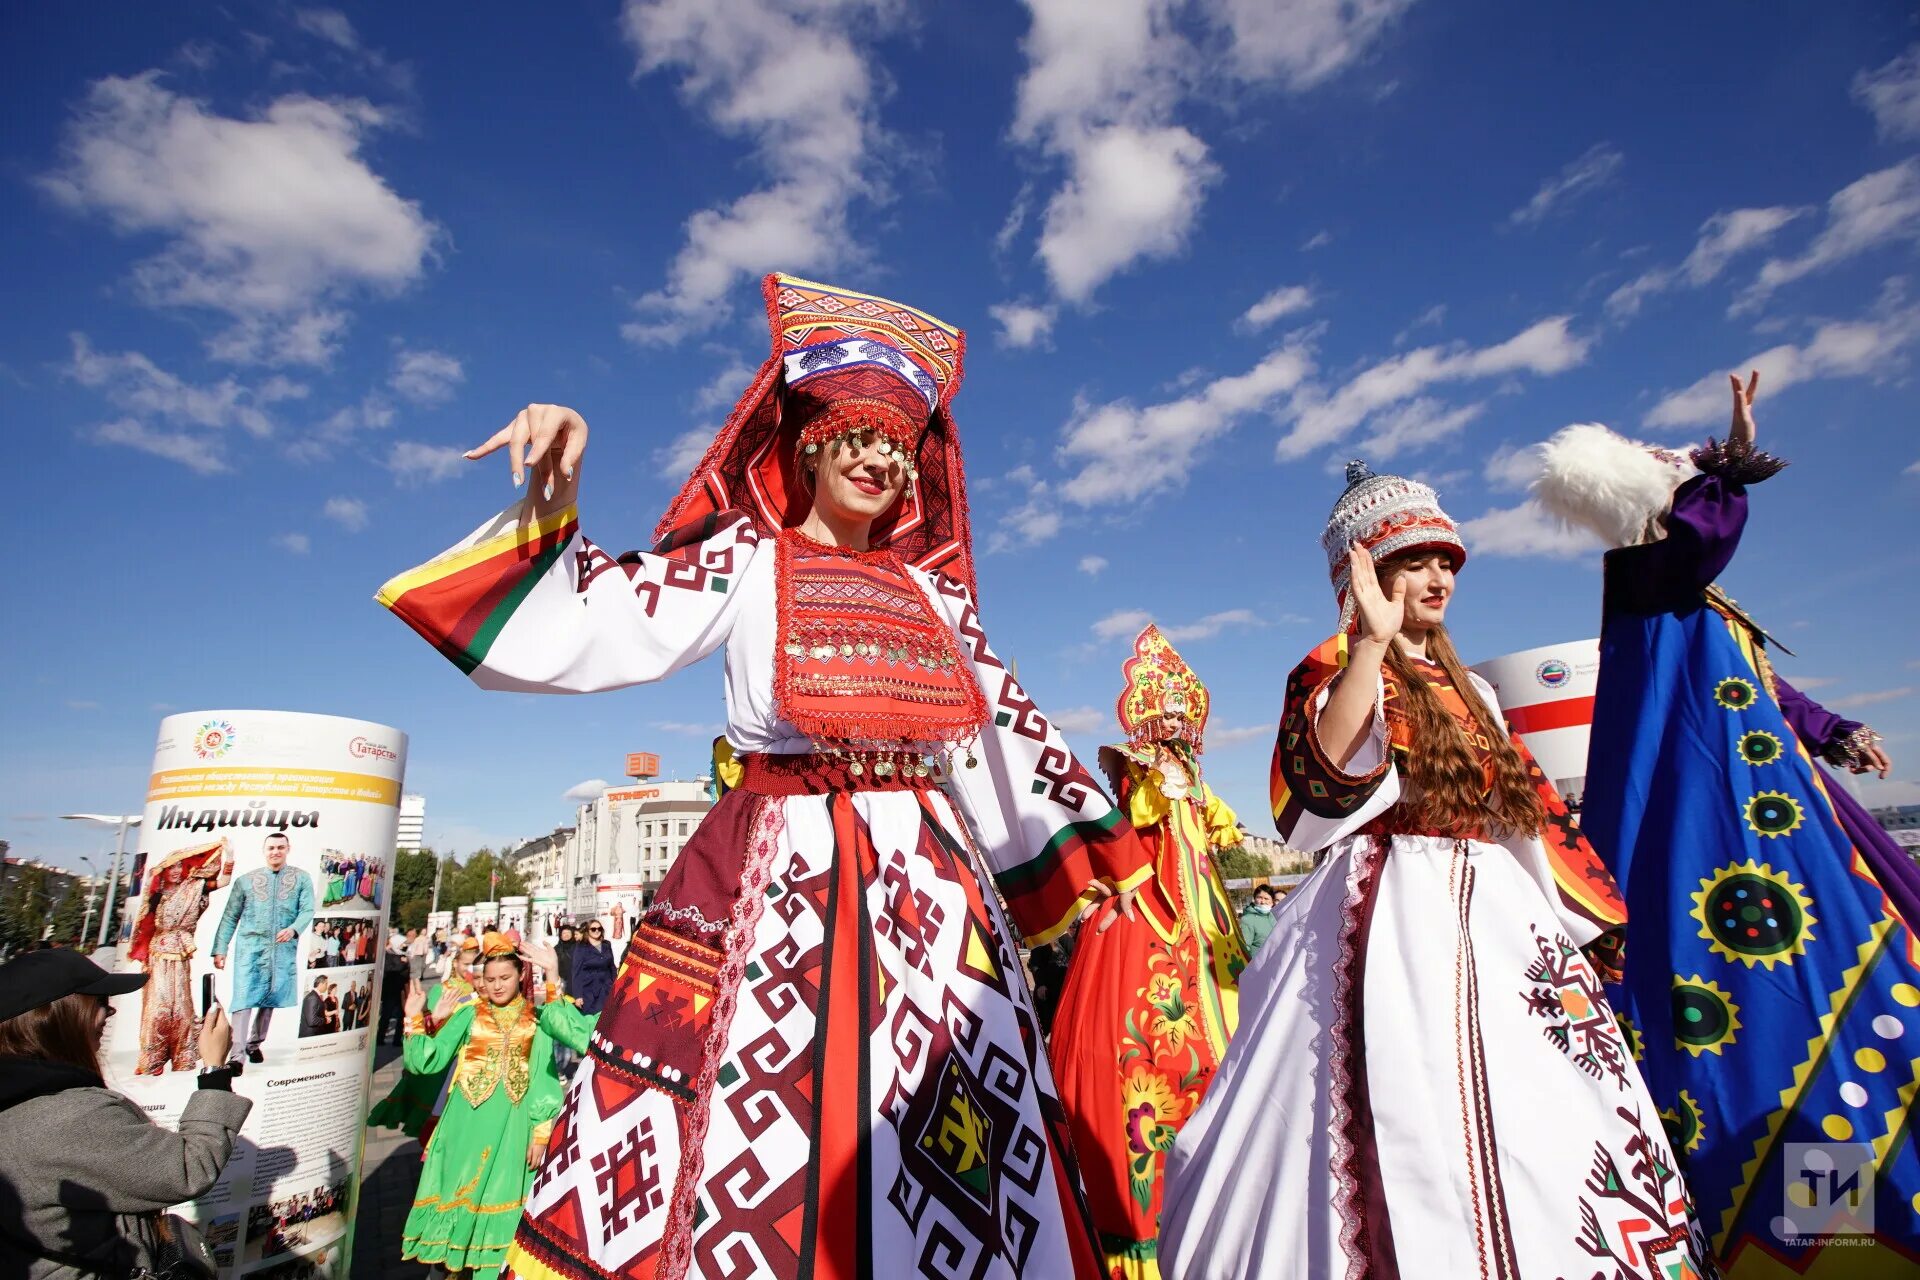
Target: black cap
{"points": [[41, 977]]}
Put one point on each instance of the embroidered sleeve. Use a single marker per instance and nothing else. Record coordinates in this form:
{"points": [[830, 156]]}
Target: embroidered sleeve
{"points": [[1049, 831], [1829, 735], [1739, 463], [434, 1051], [534, 606], [1586, 887], [1849, 751], [1303, 782], [1223, 824], [1140, 795]]}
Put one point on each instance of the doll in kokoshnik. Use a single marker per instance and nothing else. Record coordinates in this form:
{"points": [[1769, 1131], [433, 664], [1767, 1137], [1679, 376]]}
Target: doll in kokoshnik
{"points": [[1772, 984], [1427, 1079], [819, 1032], [1151, 1001]]}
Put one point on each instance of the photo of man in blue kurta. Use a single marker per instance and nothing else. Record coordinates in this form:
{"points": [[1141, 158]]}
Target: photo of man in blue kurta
{"points": [[267, 910]]}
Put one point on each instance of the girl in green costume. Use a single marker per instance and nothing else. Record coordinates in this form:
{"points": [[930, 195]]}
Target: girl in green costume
{"points": [[413, 1104], [500, 1107]]}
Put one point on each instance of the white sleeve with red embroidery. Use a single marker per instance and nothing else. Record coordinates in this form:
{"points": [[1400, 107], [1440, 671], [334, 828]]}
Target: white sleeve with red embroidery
{"points": [[531, 605], [1048, 830]]}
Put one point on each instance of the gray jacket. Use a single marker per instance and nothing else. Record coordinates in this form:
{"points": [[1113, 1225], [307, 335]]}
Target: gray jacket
{"points": [[83, 1170]]}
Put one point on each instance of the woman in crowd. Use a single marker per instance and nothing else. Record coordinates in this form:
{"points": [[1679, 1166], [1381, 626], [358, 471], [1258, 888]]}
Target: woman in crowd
{"points": [[563, 949], [1256, 918], [413, 1104], [177, 893], [501, 1101], [1150, 1002], [1772, 977], [830, 922], [591, 979], [88, 1176], [1428, 1079]]}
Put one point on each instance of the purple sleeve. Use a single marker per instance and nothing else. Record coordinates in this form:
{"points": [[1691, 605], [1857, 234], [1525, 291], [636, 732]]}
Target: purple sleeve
{"points": [[1812, 723], [1703, 532]]}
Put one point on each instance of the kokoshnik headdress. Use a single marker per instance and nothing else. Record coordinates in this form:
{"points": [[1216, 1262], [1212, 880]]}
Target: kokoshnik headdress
{"points": [[1389, 516], [844, 362], [1163, 699]]}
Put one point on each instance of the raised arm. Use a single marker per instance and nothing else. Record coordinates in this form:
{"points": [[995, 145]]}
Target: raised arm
{"points": [[1845, 743], [528, 603]]}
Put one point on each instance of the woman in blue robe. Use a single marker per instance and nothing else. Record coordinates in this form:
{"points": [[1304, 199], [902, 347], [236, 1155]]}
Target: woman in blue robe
{"points": [[1772, 976]]}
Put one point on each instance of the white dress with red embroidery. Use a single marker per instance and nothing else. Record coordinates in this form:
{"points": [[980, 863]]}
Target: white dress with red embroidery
{"points": [[820, 1057]]}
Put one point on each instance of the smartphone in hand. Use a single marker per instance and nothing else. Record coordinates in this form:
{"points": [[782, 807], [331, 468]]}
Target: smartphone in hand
{"points": [[206, 994]]}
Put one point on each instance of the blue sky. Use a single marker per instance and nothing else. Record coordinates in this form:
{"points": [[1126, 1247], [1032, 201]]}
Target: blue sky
{"points": [[272, 267]]}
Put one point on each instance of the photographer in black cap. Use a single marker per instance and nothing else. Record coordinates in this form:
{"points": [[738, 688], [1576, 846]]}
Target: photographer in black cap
{"points": [[85, 1176]]}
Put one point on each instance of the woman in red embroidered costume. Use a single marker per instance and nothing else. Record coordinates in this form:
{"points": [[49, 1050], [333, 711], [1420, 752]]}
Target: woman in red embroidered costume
{"points": [[177, 894], [819, 1057], [1427, 1079], [1151, 1001]]}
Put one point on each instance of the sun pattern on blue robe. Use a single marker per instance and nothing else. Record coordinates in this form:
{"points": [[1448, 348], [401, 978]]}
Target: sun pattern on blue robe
{"points": [[1771, 987]]}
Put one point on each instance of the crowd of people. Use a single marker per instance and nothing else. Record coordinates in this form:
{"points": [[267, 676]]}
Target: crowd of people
{"points": [[342, 941], [814, 1052], [331, 1006], [350, 877], [281, 1225]]}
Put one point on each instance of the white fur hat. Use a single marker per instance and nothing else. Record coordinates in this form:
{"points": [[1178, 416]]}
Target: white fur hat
{"points": [[1617, 488]]}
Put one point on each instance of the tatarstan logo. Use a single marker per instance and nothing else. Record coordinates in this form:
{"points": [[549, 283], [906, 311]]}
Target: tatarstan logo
{"points": [[360, 748], [1553, 673]]}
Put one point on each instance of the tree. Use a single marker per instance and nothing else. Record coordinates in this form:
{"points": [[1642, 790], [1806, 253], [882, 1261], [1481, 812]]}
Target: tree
{"points": [[1241, 863], [70, 914], [413, 887], [474, 880], [24, 906]]}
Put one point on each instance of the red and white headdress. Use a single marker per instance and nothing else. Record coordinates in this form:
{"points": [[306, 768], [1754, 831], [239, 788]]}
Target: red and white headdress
{"points": [[1389, 516], [844, 361]]}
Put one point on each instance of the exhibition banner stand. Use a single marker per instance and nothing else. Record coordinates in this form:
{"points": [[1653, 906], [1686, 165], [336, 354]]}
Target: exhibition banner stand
{"points": [[262, 884]]}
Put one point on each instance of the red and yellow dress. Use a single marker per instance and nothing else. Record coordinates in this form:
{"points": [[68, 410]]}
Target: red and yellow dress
{"points": [[1151, 1002], [819, 1058], [175, 896]]}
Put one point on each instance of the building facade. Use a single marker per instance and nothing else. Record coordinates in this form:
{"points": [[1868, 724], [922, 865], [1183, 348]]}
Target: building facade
{"points": [[413, 824], [542, 863], [633, 830]]}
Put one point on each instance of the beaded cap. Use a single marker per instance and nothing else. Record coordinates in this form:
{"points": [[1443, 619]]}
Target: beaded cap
{"points": [[1388, 515]]}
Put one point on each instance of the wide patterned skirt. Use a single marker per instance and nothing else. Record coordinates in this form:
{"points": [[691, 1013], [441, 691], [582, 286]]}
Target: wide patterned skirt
{"points": [[1427, 1081], [819, 1059]]}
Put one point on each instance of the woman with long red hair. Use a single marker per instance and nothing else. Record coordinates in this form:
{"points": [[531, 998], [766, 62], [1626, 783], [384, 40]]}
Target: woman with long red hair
{"points": [[1427, 1078]]}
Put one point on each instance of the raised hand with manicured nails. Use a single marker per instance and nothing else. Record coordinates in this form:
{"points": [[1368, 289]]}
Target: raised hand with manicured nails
{"points": [[1381, 615], [549, 439]]}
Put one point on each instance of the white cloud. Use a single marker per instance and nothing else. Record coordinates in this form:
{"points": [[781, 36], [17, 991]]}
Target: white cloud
{"points": [[1122, 451], [1092, 565], [1880, 209], [1125, 624], [1873, 698], [266, 219], [1892, 94], [194, 452], [1023, 325], [1227, 737], [723, 390], [426, 377], [1079, 719], [297, 544], [679, 456], [82, 704], [1592, 170], [792, 82], [133, 382], [1431, 318], [1100, 93], [1416, 424], [1722, 237], [1287, 300], [373, 412], [1838, 349], [1523, 531], [699, 729], [1033, 521], [1511, 469], [1318, 240], [330, 25], [349, 513], [414, 464], [1543, 349], [591, 789]]}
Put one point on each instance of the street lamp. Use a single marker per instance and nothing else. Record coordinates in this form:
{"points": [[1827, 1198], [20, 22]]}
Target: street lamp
{"points": [[123, 821], [93, 884]]}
